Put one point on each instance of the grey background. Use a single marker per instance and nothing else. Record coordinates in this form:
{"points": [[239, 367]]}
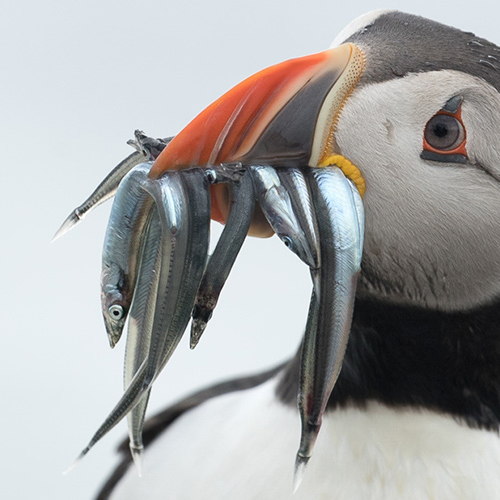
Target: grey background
{"points": [[76, 79]]}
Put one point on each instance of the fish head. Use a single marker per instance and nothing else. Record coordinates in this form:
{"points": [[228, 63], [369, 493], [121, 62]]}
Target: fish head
{"points": [[115, 301]]}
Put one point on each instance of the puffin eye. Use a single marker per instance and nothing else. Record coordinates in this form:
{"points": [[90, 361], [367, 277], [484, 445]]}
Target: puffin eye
{"points": [[445, 137], [444, 132], [116, 311]]}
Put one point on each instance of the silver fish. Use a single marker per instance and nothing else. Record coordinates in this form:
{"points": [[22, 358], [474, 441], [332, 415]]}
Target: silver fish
{"points": [[173, 310], [360, 210], [140, 326], [168, 194], [294, 181], [147, 149], [196, 183], [196, 188], [340, 224], [221, 261], [185, 229], [122, 247], [276, 205], [104, 191]]}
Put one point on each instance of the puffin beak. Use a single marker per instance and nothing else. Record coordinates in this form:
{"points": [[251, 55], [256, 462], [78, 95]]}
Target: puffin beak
{"points": [[284, 115]]}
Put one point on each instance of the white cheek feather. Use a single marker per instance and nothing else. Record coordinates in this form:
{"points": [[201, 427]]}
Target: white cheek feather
{"points": [[242, 446], [411, 203], [483, 108]]}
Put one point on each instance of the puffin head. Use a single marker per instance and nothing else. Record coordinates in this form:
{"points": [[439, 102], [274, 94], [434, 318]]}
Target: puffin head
{"points": [[423, 127]]}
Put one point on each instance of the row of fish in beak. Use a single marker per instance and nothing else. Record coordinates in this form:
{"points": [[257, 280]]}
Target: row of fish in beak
{"points": [[157, 272]]}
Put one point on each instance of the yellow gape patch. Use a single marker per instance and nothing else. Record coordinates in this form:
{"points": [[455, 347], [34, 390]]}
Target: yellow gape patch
{"points": [[350, 170]]}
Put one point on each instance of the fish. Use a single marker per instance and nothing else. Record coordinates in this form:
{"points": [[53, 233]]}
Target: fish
{"points": [[194, 264], [147, 149], [340, 221], [276, 205], [196, 182], [294, 182], [360, 210], [184, 212], [103, 192], [140, 326], [122, 247], [220, 263]]}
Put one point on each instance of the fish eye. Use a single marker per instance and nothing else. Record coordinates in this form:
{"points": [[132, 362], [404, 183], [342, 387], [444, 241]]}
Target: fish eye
{"points": [[116, 311], [287, 241], [211, 175], [444, 132]]}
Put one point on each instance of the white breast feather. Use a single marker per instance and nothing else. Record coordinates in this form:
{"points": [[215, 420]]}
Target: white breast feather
{"points": [[242, 446]]}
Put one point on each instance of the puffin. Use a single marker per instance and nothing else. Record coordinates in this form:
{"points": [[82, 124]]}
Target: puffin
{"points": [[415, 411]]}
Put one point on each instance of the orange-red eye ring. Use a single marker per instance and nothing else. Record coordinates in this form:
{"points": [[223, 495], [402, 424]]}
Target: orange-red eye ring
{"points": [[458, 153]]}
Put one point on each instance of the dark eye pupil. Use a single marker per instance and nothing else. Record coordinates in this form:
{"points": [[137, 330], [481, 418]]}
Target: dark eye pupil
{"points": [[440, 130], [116, 311], [287, 241], [444, 132]]}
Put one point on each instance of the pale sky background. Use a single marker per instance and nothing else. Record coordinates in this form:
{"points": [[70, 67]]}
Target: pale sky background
{"points": [[76, 79]]}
